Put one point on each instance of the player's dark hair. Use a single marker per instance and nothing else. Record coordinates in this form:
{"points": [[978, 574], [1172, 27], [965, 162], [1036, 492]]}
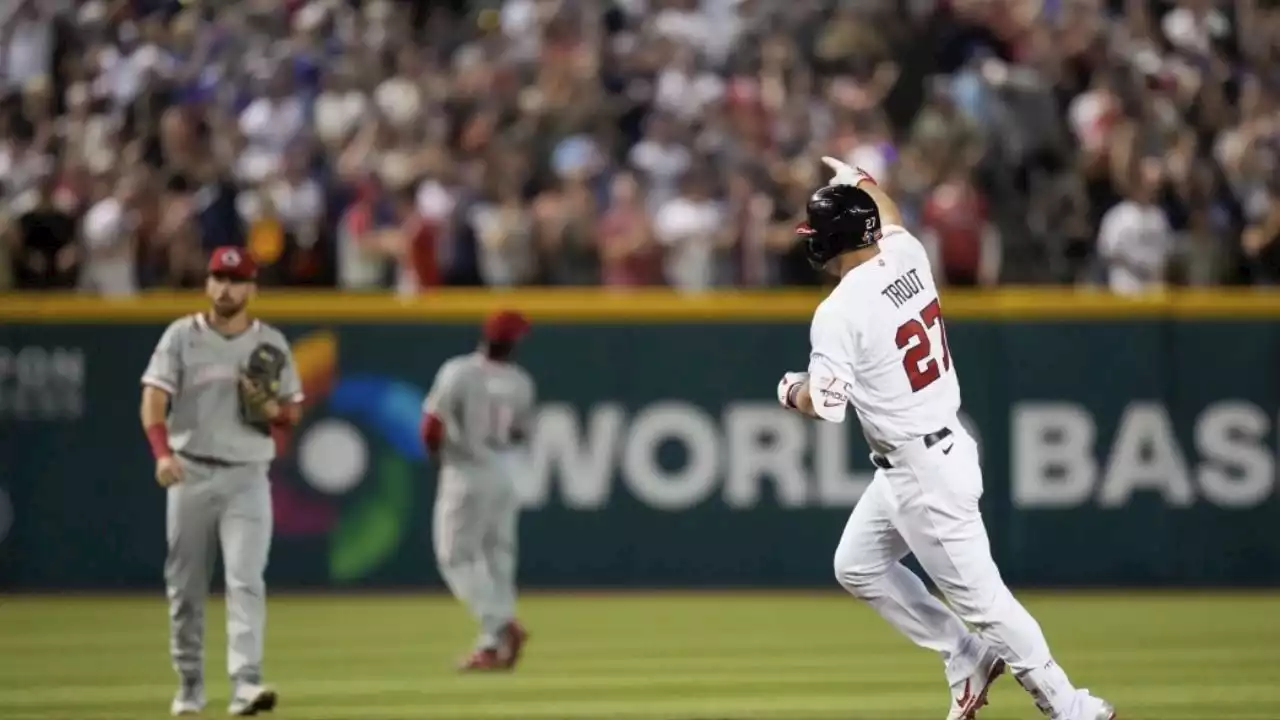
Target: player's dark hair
{"points": [[499, 350]]}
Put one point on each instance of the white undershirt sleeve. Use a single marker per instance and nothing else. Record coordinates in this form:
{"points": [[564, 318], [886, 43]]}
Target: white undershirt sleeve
{"points": [[831, 338]]}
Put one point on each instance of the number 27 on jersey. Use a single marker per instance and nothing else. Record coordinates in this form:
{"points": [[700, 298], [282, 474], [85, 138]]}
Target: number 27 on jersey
{"points": [[918, 361]]}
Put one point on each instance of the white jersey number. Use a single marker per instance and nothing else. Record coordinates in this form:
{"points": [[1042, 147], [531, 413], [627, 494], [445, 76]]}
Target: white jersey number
{"points": [[913, 336], [500, 419]]}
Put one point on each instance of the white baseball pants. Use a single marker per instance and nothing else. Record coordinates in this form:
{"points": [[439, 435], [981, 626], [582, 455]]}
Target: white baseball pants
{"points": [[212, 506], [927, 504], [474, 531]]}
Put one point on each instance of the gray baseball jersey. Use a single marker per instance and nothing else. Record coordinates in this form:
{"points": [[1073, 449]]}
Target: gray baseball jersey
{"points": [[487, 410], [200, 368]]}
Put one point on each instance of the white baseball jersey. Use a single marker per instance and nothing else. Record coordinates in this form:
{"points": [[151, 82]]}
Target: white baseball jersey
{"points": [[878, 342]]}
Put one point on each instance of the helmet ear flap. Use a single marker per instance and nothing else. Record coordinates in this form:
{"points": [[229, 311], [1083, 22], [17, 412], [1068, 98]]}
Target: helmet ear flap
{"points": [[820, 250]]}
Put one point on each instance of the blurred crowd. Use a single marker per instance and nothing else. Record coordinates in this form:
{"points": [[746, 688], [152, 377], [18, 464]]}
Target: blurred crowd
{"points": [[400, 146]]}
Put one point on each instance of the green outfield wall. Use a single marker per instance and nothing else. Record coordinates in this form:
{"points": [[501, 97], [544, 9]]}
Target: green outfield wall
{"points": [[1123, 443]]}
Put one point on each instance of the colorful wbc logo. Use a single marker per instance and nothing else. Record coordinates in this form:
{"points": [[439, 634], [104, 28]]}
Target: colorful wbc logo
{"points": [[355, 458]]}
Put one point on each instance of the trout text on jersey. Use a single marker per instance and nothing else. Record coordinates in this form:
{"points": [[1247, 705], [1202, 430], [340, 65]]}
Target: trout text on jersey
{"points": [[902, 289]]}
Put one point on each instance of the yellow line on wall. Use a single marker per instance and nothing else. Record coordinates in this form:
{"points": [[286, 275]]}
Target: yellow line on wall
{"points": [[593, 305]]}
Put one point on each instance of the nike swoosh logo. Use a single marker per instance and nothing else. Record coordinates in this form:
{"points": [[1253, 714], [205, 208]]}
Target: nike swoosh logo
{"points": [[828, 403], [947, 450]]}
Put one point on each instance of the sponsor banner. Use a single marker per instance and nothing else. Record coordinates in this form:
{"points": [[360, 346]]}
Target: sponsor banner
{"points": [[1114, 452]]}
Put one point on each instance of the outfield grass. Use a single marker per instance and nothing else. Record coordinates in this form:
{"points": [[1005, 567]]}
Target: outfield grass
{"points": [[653, 656]]}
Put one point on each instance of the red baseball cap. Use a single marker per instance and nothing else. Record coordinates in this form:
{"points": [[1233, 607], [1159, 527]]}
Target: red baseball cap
{"points": [[505, 326], [233, 262]]}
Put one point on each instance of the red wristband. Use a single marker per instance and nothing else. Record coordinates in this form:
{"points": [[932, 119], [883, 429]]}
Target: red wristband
{"points": [[287, 416], [281, 433], [158, 439], [432, 430]]}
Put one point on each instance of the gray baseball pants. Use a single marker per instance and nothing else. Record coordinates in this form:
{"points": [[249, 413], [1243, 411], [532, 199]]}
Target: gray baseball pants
{"points": [[227, 505], [474, 533]]}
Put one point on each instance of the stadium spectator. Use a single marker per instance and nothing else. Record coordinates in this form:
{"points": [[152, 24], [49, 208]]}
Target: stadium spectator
{"points": [[661, 158], [956, 229], [28, 36], [338, 108], [566, 227], [417, 257], [1135, 241], [1261, 241], [24, 159], [300, 129], [269, 124], [108, 235], [283, 215], [695, 232], [628, 255], [363, 253], [46, 256], [504, 229]]}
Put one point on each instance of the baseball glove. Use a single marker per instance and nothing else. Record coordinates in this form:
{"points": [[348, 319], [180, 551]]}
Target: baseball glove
{"points": [[260, 384]]}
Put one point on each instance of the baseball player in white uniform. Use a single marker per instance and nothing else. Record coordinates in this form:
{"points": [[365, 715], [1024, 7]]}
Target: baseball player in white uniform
{"points": [[214, 431], [879, 344], [476, 420]]}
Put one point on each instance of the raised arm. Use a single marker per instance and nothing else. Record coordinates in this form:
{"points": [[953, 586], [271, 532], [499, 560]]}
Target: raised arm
{"points": [[846, 174]]}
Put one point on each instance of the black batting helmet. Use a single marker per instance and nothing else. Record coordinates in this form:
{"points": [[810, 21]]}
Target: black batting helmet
{"points": [[840, 218]]}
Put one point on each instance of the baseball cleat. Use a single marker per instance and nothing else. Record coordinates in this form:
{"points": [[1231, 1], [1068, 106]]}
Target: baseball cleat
{"points": [[482, 661], [970, 695], [514, 637], [185, 707], [252, 699], [1100, 710], [189, 700]]}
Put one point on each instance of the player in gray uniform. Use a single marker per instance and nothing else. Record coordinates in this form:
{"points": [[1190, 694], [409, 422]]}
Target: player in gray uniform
{"points": [[213, 464], [476, 421]]}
